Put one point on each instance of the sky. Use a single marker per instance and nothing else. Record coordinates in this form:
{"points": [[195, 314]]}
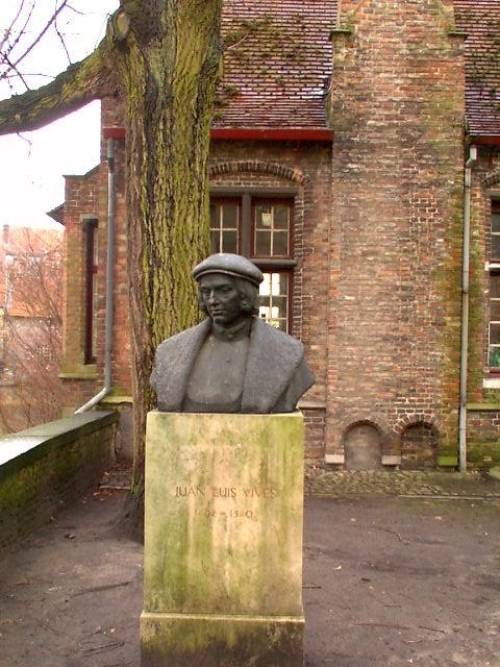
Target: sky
{"points": [[32, 165]]}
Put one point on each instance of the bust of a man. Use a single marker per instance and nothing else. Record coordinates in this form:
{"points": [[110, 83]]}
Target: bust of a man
{"points": [[232, 361]]}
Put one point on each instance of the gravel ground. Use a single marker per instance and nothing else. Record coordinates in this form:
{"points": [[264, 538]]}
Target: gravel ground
{"points": [[387, 581]]}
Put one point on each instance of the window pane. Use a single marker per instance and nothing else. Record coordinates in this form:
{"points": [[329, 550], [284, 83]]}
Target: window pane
{"points": [[96, 247], [281, 216], [265, 285], [264, 312], [494, 334], [495, 311], [229, 242], [273, 299], [495, 246], [494, 360], [214, 215], [263, 217], [230, 216], [495, 285], [279, 306], [275, 284], [262, 243], [495, 222], [280, 243], [214, 241]]}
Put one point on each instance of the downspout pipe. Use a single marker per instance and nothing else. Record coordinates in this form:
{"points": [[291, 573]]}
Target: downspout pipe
{"points": [[464, 344], [108, 317]]}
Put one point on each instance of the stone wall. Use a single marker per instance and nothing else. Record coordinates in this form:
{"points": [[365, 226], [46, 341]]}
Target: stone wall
{"points": [[49, 464]]}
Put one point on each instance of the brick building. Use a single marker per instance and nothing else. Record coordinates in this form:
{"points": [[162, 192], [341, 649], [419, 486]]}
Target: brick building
{"points": [[338, 162]]}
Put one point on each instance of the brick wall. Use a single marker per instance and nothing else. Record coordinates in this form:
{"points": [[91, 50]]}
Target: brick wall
{"points": [[483, 435], [397, 109], [378, 234], [81, 202], [49, 464], [86, 198]]}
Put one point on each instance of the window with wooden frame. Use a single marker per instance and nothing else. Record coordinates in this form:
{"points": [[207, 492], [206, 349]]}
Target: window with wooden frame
{"points": [[494, 323], [91, 261], [495, 230], [258, 224], [494, 290]]}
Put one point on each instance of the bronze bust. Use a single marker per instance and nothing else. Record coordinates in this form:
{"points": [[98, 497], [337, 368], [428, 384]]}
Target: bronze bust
{"points": [[233, 361]]}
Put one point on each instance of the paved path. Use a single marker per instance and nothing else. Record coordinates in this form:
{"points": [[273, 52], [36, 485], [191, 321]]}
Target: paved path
{"points": [[402, 483]]}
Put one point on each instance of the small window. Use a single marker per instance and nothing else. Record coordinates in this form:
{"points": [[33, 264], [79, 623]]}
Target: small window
{"points": [[91, 263]]}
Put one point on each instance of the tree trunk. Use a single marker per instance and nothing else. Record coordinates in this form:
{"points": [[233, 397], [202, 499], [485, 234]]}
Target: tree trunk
{"points": [[168, 65], [163, 56]]}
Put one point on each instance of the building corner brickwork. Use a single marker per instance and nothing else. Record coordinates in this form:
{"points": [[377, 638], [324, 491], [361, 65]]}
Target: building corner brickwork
{"points": [[397, 108]]}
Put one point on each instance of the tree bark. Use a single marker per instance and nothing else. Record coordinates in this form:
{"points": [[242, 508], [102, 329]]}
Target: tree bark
{"points": [[169, 68]]}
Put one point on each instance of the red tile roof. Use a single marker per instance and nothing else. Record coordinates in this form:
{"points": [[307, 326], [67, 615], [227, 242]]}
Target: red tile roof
{"points": [[480, 20], [277, 63]]}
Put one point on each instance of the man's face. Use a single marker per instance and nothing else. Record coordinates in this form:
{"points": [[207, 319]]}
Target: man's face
{"points": [[221, 298]]}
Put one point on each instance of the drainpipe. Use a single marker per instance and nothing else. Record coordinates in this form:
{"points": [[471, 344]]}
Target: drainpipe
{"points": [[108, 318], [464, 345]]}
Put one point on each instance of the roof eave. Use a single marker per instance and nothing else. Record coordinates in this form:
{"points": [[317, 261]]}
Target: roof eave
{"points": [[310, 134], [485, 139]]}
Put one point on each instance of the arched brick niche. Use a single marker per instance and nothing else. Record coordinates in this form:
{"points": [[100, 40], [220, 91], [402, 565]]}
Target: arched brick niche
{"points": [[419, 446], [363, 446]]}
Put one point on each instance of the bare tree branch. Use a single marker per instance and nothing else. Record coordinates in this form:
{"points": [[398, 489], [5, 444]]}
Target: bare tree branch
{"points": [[40, 74], [8, 31], [41, 33], [61, 37], [81, 83], [16, 71], [18, 37]]}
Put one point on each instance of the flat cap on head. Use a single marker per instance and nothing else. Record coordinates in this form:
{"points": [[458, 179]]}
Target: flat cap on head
{"points": [[231, 265]]}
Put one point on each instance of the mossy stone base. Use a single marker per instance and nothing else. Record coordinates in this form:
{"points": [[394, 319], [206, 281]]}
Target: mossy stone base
{"points": [[221, 641], [223, 540]]}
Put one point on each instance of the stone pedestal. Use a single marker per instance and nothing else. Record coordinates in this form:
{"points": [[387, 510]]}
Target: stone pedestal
{"points": [[223, 541]]}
